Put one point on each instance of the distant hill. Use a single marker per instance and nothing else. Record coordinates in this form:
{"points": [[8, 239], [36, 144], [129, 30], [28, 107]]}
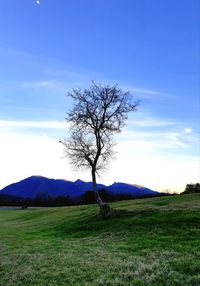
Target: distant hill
{"points": [[35, 186], [41, 186], [135, 190], [87, 186]]}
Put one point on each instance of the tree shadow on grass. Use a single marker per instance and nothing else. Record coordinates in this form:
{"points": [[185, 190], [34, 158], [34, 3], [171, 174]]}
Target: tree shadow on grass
{"points": [[127, 222]]}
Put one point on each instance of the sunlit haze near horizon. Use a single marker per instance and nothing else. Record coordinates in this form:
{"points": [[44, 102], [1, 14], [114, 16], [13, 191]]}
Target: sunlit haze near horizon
{"points": [[150, 48]]}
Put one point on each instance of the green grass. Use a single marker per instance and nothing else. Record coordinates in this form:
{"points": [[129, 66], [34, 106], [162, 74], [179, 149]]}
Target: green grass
{"points": [[145, 242]]}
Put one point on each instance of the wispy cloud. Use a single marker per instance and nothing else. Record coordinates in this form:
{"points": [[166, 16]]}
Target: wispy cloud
{"points": [[144, 92], [151, 122], [188, 130], [14, 124], [154, 142], [24, 155], [52, 85], [59, 82], [162, 133], [159, 159], [38, 84], [154, 135]]}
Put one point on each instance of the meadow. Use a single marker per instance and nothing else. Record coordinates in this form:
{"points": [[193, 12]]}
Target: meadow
{"points": [[152, 242]]}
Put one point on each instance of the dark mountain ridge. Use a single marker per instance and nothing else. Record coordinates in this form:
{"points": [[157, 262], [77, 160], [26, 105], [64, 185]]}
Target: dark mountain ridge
{"points": [[35, 186]]}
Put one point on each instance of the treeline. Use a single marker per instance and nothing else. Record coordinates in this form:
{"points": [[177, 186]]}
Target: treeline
{"points": [[192, 188], [48, 201], [38, 201]]}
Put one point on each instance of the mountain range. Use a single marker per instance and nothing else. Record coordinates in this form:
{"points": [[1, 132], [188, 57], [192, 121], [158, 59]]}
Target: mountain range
{"points": [[34, 186]]}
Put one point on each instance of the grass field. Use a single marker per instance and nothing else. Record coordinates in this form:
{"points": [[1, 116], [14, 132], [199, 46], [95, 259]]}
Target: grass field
{"points": [[146, 242]]}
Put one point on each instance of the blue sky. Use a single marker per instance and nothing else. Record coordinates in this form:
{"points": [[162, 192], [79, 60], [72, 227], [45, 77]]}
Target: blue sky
{"points": [[150, 48]]}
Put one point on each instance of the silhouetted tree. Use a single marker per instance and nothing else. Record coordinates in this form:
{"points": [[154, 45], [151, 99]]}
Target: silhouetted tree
{"points": [[89, 198], [192, 188], [98, 113]]}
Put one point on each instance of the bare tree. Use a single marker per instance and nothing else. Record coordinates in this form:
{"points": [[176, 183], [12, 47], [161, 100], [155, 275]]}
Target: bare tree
{"points": [[98, 113]]}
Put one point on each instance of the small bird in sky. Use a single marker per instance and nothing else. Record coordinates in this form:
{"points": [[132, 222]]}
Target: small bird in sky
{"points": [[38, 2]]}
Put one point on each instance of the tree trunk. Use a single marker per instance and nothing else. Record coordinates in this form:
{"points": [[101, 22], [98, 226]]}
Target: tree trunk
{"points": [[104, 208]]}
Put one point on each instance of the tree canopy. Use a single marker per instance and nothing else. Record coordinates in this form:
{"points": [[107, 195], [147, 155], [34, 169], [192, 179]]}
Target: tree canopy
{"points": [[98, 113]]}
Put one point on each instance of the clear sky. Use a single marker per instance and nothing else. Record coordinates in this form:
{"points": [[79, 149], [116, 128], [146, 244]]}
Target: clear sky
{"points": [[149, 47]]}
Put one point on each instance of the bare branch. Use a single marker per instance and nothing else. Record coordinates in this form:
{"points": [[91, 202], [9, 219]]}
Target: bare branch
{"points": [[98, 113]]}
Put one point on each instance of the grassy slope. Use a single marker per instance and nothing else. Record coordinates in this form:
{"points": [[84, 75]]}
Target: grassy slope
{"points": [[147, 242]]}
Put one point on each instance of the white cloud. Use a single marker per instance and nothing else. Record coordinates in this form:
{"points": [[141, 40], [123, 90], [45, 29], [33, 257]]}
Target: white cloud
{"points": [[161, 133], [156, 140], [13, 124], [151, 122], [144, 92], [26, 155], [63, 79], [157, 153], [161, 160], [187, 130], [141, 164], [141, 159], [36, 84], [54, 85]]}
